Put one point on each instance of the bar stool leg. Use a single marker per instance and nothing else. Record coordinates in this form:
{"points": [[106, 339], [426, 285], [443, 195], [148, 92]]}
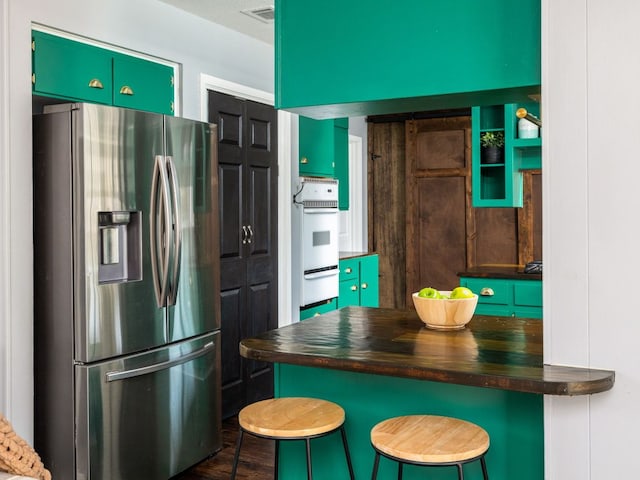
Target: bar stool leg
{"points": [[484, 468], [460, 473], [346, 451], [277, 460], [374, 474], [399, 470], [308, 442], [237, 455]]}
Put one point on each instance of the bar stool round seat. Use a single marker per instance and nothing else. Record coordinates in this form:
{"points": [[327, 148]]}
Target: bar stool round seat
{"points": [[292, 418], [429, 440]]}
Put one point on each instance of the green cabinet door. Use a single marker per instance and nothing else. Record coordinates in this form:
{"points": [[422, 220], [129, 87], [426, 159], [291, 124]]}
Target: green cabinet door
{"points": [[341, 155], [359, 281], [316, 147], [506, 297], [142, 85], [63, 68], [369, 291]]}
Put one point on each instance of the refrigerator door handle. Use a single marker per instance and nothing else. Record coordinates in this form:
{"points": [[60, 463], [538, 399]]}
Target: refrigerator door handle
{"points": [[172, 293], [158, 230], [136, 372]]}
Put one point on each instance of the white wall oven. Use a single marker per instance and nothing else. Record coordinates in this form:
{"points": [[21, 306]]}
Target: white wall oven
{"points": [[318, 199]]}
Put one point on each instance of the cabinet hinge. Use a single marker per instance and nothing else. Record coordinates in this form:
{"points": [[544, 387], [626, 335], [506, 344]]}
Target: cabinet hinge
{"points": [[172, 107], [172, 80], [33, 78], [33, 45]]}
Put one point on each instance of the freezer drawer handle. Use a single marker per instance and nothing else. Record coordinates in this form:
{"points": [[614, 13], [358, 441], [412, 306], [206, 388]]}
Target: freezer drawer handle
{"points": [[136, 372]]}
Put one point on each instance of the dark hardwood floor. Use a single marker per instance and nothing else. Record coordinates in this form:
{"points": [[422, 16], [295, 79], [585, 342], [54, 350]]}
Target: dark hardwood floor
{"points": [[256, 458]]}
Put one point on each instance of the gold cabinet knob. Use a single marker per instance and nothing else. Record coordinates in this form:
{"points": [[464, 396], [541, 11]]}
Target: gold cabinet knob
{"points": [[95, 83], [354, 288], [487, 292], [304, 160], [364, 286], [126, 90]]}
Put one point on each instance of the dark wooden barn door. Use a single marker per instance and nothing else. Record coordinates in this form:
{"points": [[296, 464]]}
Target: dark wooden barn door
{"points": [[247, 168], [438, 182]]}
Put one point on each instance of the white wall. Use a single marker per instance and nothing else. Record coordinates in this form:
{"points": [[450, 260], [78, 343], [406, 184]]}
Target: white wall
{"points": [[146, 26], [591, 169]]}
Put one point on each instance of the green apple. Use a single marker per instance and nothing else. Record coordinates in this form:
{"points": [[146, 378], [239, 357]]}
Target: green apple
{"points": [[461, 292], [429, 292]]}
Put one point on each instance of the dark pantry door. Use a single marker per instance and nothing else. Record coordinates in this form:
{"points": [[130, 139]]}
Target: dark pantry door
{"points": [[247, 169]]}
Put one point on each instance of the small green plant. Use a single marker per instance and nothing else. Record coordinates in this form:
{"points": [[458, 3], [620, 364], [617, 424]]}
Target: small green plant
{"points": [[492, 139]]}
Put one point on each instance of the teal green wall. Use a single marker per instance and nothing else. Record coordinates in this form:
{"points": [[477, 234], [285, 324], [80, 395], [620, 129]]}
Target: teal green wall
{"points": [[513, 420], [376, 56]]}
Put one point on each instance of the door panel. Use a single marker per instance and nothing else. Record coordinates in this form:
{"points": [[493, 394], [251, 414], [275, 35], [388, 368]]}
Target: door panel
{"points": [[71, 69], [191, 149], [131, 410], [233, 306], [247, 163], [142, 85], [115, 164]]}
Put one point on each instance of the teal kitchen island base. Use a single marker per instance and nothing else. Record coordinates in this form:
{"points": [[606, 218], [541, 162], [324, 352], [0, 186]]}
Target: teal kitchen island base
{"points": [[379, 363], [514, 421]]}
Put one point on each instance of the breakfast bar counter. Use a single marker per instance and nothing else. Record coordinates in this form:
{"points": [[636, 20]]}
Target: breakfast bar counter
{"points": [[496, 352], [378, 363]]}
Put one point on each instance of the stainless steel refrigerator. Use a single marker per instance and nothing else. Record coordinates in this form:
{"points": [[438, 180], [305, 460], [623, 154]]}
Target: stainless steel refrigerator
{"points": [[127, 313]]}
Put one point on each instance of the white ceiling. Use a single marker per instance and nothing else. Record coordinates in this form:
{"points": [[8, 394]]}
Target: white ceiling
{"points": [[229, 13]]}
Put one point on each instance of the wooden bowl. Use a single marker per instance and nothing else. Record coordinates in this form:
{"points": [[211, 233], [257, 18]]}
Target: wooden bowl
{"points": [[443, 313]]}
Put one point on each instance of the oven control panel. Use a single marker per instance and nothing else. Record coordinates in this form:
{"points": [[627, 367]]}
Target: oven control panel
{"points": [[318, 192]]}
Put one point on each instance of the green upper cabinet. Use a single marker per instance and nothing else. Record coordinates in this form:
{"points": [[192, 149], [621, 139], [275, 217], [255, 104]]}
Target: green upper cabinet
{"points": [[497, 182], [324, 152], [316, 147], [63, 68], [413, 55], [71, 70], [142, 85]]}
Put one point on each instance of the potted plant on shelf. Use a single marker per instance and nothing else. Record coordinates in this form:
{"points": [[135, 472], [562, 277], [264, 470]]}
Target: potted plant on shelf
{"points": [[492, 144]]}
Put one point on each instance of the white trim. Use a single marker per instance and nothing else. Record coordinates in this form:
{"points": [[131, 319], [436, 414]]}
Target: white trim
{"points": [[208, 82], [356, 207], [5, 217]]}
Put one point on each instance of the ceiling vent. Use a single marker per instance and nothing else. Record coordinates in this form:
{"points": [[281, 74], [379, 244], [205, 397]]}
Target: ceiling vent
{"points": [[264, 14]]}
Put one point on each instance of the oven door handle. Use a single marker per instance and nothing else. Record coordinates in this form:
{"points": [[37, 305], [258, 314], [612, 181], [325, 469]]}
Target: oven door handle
{"points": [[325, 273], [307, 210]]}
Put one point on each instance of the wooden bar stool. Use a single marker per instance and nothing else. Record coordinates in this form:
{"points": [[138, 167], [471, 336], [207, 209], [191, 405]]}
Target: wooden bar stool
{"points": [[291, 418], [429, 440]]}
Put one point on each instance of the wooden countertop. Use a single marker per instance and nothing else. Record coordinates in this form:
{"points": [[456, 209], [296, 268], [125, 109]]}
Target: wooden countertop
{"points": [[494, 352], [514, 273]]}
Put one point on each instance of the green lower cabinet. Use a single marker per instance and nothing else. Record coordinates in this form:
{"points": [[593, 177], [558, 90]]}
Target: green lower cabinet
{"points": [[506, 297], [359, 283], [513, 420], [76, 71], [318, 309]]}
